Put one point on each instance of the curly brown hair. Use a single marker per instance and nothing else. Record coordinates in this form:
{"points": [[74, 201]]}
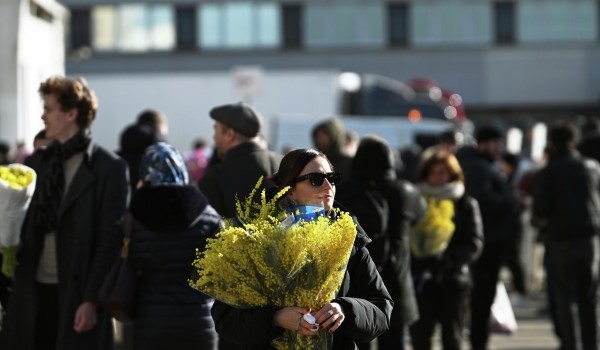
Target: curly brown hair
{"points": [[440, 157], [72, 93]]}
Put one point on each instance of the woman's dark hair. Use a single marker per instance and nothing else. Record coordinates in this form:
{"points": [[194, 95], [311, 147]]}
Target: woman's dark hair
{"points": [[290, 168]]}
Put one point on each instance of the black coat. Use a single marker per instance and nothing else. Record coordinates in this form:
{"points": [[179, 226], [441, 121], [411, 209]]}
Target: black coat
{"points": [[391, 250], [566, 194], [363, 297], [485, 183], [236, 175], [87, 244], [168, 313]]}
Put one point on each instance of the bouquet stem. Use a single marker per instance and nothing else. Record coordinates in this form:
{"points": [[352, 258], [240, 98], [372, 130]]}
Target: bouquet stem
{"points": [[9, 260]]}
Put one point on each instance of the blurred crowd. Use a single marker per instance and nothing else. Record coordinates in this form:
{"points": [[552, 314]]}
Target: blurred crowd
{"points": [[443, 220]]}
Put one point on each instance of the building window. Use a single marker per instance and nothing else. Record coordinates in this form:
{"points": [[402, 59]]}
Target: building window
{"points": [[571, 21], [504, 15], [292, 26], [239, 25], [80, 28], [398, 24], [450, 23], [186, 27], [344, 24], [133, 27]]}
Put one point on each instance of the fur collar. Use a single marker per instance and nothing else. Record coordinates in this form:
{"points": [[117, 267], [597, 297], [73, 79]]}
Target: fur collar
{"points": [[167, 208]]}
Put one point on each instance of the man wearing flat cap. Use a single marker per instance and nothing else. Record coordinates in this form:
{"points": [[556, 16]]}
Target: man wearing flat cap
{"points": [[484, 182], [244, 159]]}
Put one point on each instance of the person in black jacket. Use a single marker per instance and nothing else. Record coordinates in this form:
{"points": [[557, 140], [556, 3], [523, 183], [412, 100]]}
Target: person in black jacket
{"points": [[566, 204], [386, 208], [362, 308], [485, 183], [242, 158], [172, 220], [444, 245]]}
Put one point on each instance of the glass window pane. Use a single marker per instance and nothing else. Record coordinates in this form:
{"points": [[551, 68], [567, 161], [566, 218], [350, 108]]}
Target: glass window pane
{"points": [[317, 24], [133, 27], [104, 26], [344, 17], [210, 17], [371, 24], [268, 22], [162, 30], [238, 25]]}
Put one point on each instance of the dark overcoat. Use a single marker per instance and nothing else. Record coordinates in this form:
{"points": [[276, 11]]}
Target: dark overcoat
{"points": [[236, 175], [171, 223], [87, 243]]}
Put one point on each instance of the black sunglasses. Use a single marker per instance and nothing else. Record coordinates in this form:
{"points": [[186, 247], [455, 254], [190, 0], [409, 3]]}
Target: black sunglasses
{"points": [[316, 179]]}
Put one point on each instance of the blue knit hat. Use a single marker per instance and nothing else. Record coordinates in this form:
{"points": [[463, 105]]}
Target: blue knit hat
{"points": [[162, 164]]}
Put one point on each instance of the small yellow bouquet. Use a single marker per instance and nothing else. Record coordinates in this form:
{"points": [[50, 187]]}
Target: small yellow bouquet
{"points": [[17, 184], [430, 237], [268, 260]]}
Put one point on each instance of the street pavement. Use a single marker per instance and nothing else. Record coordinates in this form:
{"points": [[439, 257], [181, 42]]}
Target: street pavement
{"points": [[534, 329]]}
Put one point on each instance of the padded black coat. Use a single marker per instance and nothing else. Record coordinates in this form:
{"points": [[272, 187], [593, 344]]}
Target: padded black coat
{"points": [[171, 223]]}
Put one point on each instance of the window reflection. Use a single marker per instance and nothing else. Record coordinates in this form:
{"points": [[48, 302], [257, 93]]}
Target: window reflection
{"points": [[345, 24], [239, 25], [133, 27]]}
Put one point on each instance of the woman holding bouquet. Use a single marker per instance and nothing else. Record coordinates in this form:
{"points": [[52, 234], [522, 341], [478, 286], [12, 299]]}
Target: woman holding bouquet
{"points": [[362, 307], [444, 244]]}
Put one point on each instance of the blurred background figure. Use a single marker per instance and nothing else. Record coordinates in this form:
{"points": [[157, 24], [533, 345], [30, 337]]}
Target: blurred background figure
{"points": [[172, 220], [4, 153], [134, 140], [351, 143], [589, 146], [566, 205], [513, 259], [243, 157], [40, 140], [197, 160], [485, 183], [329, 137], [386, 208], [21, 152], [444, 246], [155, 119], [409, 157]]}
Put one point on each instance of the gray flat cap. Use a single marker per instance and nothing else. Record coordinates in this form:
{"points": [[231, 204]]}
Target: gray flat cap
{"points": [[239, 116]]}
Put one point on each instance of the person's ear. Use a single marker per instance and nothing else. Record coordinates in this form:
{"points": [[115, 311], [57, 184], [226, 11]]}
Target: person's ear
{"points": [[72, 115]]}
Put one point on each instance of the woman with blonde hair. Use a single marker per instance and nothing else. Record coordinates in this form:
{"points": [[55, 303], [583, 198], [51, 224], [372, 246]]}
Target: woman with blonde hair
{"points": [[447, 240]]}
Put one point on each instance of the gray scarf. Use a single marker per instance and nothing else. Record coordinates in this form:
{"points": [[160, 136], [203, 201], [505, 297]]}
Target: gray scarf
{"points": [[452, 190]]}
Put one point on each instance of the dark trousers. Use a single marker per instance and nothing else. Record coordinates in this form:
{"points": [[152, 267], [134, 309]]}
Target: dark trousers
{"points": [[574, 267], [445, 302], [485, 276], [46, 325], [391, 340]]}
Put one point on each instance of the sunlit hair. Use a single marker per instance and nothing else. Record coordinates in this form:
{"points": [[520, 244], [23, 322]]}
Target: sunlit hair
{"points": [[440, 157], [72, 93], [292, 164]]}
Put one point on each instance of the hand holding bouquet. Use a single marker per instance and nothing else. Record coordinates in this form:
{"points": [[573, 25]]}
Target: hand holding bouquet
{"points": [[268, 260], [17, 184]]}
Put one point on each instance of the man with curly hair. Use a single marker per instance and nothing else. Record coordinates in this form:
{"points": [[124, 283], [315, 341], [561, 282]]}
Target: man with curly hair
{"points": [[70, 237]]}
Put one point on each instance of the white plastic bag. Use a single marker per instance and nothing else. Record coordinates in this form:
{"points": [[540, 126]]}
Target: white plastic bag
{"points": [[502, 317]]}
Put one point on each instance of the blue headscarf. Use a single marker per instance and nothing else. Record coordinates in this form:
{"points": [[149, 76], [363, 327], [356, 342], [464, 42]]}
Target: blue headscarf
{"points": [[162, 164]]}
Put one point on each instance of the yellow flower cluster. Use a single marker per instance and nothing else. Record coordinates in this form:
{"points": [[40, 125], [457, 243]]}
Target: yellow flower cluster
{"points": [[266, 263], [16, 176], [433, 233]]}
